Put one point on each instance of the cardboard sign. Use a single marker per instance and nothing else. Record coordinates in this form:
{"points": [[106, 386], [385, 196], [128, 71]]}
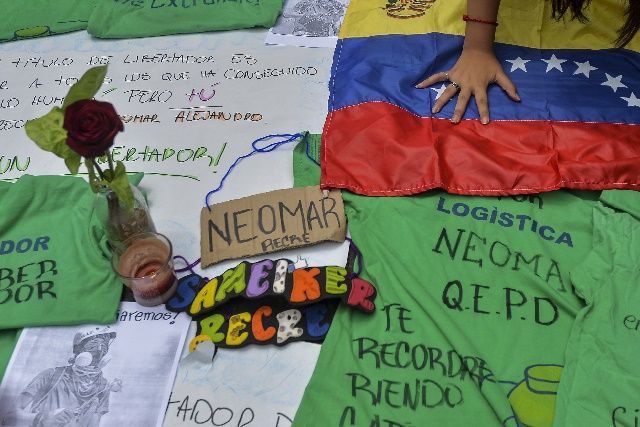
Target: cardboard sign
{"points": [[270, 222]]}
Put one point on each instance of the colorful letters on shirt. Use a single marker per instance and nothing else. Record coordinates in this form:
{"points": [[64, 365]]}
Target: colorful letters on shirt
{"points": [[279, 303]]}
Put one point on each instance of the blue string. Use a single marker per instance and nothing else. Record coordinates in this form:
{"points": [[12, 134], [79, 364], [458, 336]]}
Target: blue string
{"points": [[189, 267], [268, 148]]}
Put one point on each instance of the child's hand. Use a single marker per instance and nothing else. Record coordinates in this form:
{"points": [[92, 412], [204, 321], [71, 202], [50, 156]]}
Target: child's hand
{"points": [[474, 71]]}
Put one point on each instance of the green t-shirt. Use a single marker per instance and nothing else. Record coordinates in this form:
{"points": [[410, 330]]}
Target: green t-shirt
{"points": [[623, 200], [601, 379], [144, 18], [37, 18], [473, 312], [54, 263]]}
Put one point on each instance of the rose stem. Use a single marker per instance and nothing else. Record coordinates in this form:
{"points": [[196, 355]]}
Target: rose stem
{"points": [[113, 203]]}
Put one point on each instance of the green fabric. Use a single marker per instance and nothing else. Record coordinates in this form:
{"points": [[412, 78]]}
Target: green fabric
{"points": [[603, 348], [143, 18], [54, 265], [623, 200], [38, 18], [307, 170], [467, 331]]}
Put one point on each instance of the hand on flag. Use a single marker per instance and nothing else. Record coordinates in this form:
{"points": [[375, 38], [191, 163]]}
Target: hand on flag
{"points": [[474, 71]]}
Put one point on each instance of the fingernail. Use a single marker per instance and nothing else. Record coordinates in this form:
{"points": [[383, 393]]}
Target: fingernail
{"points": [[455, 119], [485, 120], [434, 110], [518, 97]]}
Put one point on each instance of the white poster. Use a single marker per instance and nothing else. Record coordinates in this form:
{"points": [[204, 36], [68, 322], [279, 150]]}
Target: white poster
{"points": [[258, 386], [193, 108]]}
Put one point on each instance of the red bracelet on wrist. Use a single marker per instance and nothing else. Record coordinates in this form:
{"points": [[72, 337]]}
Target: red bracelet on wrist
{"points": [[482, 21]]}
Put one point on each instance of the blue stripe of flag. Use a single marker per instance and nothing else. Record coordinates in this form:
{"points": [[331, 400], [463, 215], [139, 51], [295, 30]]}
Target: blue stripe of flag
{"points": [[554, 84]]}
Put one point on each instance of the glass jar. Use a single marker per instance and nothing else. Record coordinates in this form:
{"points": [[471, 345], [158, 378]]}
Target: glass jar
{"points": [[118, 222]]}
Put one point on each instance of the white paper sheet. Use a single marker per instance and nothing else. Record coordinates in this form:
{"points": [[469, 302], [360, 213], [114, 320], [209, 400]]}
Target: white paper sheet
{"points": [[142, 361], [308, 23]]}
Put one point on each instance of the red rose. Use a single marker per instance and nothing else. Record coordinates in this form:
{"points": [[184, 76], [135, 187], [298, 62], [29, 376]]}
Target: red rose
{"points": [[91, 127]]}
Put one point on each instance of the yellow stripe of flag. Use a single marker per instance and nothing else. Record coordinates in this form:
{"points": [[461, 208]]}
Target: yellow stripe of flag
{"points": [[523, 23]]}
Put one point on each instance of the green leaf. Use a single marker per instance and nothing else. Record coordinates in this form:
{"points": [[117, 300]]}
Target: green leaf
{"points": [[120, 185], [98, 183], [47, 132], [108, 175], [73, 163], [87, 86]]}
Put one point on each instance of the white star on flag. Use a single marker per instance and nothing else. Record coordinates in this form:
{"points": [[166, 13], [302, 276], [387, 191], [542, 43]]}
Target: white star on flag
{"points": [[439, 91], [614, 82], [632, 101], [583, 68], [518, 63], [554, 63]]}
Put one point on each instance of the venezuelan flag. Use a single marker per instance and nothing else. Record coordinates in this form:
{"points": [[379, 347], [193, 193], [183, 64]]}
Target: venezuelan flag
{"points": [[578, 125]]}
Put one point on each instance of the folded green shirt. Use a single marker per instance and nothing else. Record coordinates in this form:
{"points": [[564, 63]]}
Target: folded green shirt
{"points": [[38, 18], [144, 18], [55, 267]]}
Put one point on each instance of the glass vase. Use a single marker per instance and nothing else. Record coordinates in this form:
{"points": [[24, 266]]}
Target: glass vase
{"points": [[118, 222]]}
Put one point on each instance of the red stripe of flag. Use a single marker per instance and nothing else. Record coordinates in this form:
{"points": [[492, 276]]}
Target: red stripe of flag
{"points": [[379, 149]]}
